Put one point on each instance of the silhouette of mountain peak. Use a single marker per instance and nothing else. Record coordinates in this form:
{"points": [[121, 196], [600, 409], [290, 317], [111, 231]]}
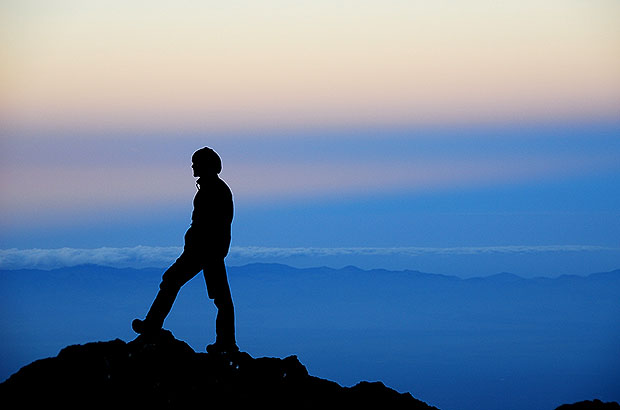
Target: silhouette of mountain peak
{"points": [[164, 372]]}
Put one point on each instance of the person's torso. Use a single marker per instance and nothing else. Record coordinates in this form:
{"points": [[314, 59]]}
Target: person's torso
{"points": [[213, 207]]}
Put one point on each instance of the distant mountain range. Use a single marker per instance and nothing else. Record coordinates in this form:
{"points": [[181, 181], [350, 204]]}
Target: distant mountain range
{"points": [[493, 342]]}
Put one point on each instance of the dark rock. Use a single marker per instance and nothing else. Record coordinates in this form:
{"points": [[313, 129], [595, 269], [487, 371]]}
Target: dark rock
{"points": [[590, 405], [162, 372]]}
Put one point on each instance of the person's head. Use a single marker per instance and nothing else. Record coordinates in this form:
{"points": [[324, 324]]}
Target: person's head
{"points": [[206, 162]]}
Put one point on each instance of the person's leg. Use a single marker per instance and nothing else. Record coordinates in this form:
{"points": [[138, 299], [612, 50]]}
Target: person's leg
{"points": [[219, 290], [184, 269]]}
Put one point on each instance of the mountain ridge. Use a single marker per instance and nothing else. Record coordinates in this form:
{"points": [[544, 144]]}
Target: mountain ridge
{"points": [[163, 372], [160, 371], [279, 267]]}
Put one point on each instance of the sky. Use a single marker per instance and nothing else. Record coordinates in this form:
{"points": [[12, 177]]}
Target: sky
{"points": [[457, 137]]}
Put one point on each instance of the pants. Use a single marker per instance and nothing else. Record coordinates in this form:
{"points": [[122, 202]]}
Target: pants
{"points": [[188, 265]]}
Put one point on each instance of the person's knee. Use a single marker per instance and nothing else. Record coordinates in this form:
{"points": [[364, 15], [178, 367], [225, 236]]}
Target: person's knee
{"points": [[179, 273], [169, 283]]}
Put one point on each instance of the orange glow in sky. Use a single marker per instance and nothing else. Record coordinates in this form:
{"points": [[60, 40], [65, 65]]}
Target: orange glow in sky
{"points": [[219, 65]]}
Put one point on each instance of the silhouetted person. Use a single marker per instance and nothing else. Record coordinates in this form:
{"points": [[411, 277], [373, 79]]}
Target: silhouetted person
{"points": [[206, 245]]}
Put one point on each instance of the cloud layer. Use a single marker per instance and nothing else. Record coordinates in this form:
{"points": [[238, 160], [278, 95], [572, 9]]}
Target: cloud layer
{"points": [[148, 256], [139, 256]]}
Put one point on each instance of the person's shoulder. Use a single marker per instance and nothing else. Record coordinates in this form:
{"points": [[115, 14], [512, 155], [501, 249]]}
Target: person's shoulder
{"points": [[225, 186], [221, 185]]}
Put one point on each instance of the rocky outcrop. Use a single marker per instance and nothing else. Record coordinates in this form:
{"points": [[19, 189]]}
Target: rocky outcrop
{"points": [[163, 372], [590, 405]]}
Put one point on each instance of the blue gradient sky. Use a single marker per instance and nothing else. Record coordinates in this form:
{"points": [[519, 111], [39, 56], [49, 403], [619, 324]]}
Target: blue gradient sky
{"points": [[393, 125]]}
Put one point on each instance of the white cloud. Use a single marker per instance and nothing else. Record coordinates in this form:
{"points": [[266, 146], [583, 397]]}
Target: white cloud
{"points": [[139, 256], [148, 256], [264, 252]]}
